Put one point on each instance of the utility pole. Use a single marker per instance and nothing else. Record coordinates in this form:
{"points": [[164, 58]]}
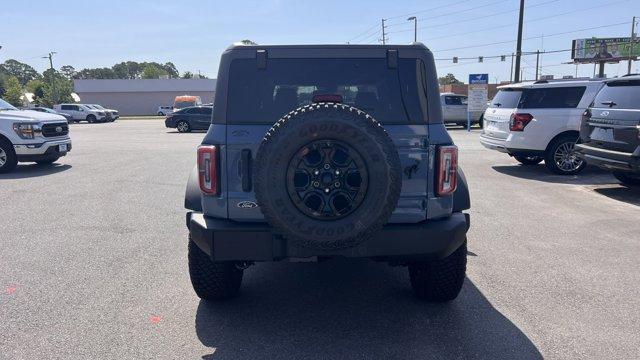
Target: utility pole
{"points": [[633, 35], [54, 95], [511, 74], [537, 63], [415, 28], [384, 34], [519, 44]]}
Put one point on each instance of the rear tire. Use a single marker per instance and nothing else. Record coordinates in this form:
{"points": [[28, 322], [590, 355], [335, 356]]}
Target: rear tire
{"points": [[561, 157], [8, 158], [627, 180], [183, 126], [439, 280], [47, 161], [211, 280], [91, 119], [528, 160]]}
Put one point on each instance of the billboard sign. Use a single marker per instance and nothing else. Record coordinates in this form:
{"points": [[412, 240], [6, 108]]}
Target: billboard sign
{"points": [[604, 49]]}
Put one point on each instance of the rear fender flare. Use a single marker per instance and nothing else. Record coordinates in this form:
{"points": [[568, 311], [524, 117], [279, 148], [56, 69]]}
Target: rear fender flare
{"points": [[461, 198], [193, 196]]}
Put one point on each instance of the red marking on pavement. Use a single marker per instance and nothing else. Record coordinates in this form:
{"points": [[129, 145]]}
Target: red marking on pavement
{"points": [[11, 290], [156, 318]]}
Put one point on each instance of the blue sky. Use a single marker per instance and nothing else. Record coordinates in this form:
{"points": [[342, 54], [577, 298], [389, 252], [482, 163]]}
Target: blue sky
{"points": [[193, 34]]}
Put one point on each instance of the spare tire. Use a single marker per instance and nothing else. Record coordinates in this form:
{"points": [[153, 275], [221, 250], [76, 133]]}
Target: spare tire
{"points": [[327, 176]]}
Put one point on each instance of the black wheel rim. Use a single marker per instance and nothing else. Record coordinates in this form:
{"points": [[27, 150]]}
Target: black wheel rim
{"points": [[327, 179]]}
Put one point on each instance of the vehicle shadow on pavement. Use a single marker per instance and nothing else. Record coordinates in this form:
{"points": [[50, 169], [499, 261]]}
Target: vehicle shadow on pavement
{"points": [[343, 309], [621, 193], [591, 175], [34, 170]]}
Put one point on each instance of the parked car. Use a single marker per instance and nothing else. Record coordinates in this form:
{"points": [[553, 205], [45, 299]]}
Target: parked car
{"points": [[191, 118], [81, 112], [51, 111], [165, 110], [112, 114], [31, 136], [183, 101], [454, 110], [349, 160], [610, 130], [538, 121]]}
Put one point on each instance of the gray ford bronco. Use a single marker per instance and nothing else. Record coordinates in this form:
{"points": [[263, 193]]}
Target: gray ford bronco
{"points": [[326, 151]]}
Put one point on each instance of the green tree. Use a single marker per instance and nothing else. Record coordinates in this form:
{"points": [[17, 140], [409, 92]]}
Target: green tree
{"points": [[187, 75], [57, 88], [97, 73], [13, 91], [152, 71], [20, 71], [127, 70], [171, 69], [68, 71], [3, 78], [38, 88], [448, 79]]}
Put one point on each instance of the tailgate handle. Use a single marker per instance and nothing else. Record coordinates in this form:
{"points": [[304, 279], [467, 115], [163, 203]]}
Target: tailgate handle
{"points": [[245, 169]]}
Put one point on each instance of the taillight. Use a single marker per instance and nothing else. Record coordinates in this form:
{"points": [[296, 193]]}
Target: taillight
{"points": [[519, 121], [208, 169], [447, 170]]}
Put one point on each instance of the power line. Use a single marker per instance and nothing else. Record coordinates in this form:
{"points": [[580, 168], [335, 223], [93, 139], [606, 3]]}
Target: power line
{"points": [[524, 53], [430, 9], [374, 27], [533, 37], [528, 21], [474, 18], [458, 11]]}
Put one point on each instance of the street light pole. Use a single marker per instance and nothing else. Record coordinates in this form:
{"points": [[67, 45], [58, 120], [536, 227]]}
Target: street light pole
{"points": [[519, 44], [415, 27], [633, 35]]}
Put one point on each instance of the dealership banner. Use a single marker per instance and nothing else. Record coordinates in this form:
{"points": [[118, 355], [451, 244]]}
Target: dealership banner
{"points": [[607, 49]]}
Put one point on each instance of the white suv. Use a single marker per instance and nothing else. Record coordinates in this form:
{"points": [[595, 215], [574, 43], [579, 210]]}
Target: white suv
{"points": [[81, 112], [27, 135], [112, 114], [165, 110], [538, 121]]}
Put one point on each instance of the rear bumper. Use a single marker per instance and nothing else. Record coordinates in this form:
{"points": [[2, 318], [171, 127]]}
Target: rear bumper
{"points": [[504, 146], [610, 159], [227, 240]]}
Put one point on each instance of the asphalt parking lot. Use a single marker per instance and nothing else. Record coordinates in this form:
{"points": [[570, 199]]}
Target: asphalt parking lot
{"points": [[93, 265]]}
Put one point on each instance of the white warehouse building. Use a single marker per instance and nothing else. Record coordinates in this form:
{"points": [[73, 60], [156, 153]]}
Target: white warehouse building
{"points": [[141, 96]]}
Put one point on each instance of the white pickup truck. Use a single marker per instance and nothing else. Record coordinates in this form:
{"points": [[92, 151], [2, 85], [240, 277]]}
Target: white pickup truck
{"points": [[31, 136]]}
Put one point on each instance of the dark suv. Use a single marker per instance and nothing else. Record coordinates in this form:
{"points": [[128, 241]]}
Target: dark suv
{"points": [[610, 130], [317, 152]]}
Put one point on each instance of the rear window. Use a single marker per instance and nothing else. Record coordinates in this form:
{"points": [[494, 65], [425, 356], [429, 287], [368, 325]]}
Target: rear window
{"points": [[619, 94], [507, 98], [262, 96], [551, 98], [455, 100]]}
